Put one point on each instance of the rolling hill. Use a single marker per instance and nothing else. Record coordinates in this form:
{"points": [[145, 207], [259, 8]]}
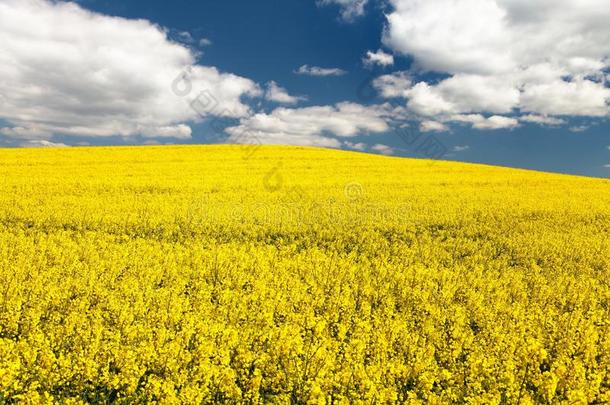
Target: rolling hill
{"points": [[190, 274]]}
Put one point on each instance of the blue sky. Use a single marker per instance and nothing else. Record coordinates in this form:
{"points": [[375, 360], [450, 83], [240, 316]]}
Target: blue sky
{"points": [[460, 80]]}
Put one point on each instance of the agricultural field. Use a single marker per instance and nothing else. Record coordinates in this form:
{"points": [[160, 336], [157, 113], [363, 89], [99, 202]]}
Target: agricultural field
{"points": [[241, 274]]}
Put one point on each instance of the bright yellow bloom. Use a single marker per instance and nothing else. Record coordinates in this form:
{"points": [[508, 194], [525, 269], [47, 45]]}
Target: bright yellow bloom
{"points": [[206, 274]]}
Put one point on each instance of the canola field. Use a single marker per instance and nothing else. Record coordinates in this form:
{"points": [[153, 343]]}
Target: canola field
{"points": [[235, 274]]}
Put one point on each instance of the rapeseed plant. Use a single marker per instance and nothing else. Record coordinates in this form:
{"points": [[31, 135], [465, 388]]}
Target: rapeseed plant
{"points": [[175, 275]]}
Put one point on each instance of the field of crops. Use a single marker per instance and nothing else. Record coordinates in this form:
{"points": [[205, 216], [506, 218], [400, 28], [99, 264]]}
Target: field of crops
{"points": [[284, 274]]}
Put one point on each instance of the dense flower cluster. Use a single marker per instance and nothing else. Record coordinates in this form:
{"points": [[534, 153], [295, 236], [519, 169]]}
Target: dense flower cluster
{"points": [[176, 275]]}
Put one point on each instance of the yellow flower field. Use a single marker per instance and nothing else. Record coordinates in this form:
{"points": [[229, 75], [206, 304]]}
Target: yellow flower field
{"points": [[198, 274]]}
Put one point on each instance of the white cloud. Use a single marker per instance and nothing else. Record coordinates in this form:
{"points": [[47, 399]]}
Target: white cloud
{"points": [[383, 149], [393, 85], [309, 125], [42, 144], [185, 37], [378, 58], [433, 126], [471, 93], [25, 133], [460, 148], [356, 146], [319, 71], [495, 36], [425, 100], [87, 74], [205, 42], [579, 128], [579, 97], [546, 58], [450, 36], [541, 119], [350, 9], [280, 95], [180, 131], [607, 166], [478, 121], [463, 93]]}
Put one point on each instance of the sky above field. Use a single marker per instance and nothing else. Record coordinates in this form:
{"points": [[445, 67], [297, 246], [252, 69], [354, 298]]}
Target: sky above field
{"points": [[507, 82]]}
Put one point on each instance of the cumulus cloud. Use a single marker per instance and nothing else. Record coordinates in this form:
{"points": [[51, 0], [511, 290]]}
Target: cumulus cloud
{"points": [[42, 144], [479, 121], [541, 120], [319, 71], [205, 42], [579, 128], [433, 126], [463, 94], [540, 58], [497, 36], [82, 73], [25, 133], [280, 95], [425, 100], [313, 126], [383, 149], [378, 58], [579, 97], [393, 85], [185, 36], [350, 9], [356, 146]]}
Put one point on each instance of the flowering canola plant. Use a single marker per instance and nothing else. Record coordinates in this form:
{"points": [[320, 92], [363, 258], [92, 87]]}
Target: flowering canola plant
{"points": [[198, 274]]}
